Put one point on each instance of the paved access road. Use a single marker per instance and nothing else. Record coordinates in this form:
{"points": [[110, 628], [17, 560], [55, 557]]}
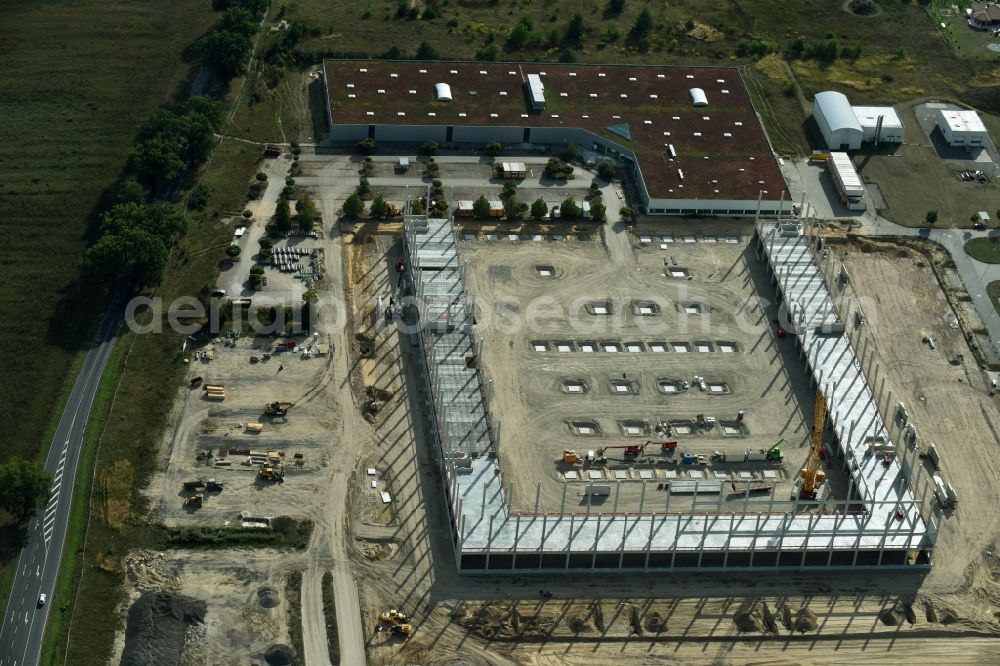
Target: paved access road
{"points": [[23, 621]]}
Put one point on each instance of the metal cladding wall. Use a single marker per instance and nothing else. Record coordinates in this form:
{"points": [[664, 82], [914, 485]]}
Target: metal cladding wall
{"points": [[723, 207], [674, 560], [479, 134], [348, 132], [411, 133]]}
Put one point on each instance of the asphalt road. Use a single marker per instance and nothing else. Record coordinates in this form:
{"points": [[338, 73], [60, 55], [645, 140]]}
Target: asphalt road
{"points": [[38, 565]]}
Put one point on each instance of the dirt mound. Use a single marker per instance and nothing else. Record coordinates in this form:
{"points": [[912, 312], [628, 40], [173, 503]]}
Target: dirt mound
{"points": [[749, 618], [892, 616], [947, 616], [268, 597], [655, 623], [280, 655], [154, 632], [805, 620]]}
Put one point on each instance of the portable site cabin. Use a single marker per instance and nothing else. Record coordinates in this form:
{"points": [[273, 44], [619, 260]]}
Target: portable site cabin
{"points": [[515, 170]]}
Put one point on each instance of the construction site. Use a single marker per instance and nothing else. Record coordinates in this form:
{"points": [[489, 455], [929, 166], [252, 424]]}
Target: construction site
{"points": [[720, 399]]}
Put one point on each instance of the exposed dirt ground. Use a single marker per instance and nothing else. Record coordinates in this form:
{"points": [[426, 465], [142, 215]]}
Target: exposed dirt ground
{"points": [[715, 325], [399, 554]]}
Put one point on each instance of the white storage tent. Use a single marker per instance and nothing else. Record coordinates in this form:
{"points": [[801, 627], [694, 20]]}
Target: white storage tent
{"points": [[836, 121]]}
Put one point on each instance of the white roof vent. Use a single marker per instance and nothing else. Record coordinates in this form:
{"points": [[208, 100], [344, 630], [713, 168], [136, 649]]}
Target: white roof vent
{"points": [[720, 80], [572, 73], [594, 95], [654, 96], [453, 71], [493, 115], [727, 134], [442, 92], [401, 114], [363, 70], [705, 118], [482, 71], [585, 116], [431, 114], [393, 75], [503, 93], [350, 85], [624, 96], [462, 114], [351, 96], [369, 113], [697, 133], [739, 123], [562, 94], [661, 76], [690, 76], [698, 97], [413, 92], [524, 115], [724, 91], [381, 91], [647, 122], [632, 78], [422, 71], [512, 73], [601, 75]]}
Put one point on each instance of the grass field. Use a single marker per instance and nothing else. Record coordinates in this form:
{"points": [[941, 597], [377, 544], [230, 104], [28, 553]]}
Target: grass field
{"points": [[986, 250], [993, 289], [74, 93]]}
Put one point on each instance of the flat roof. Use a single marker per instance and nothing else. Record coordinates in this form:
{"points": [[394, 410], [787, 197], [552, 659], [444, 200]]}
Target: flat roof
{"points": [[721, 148], [868, 116], [961, 120]]}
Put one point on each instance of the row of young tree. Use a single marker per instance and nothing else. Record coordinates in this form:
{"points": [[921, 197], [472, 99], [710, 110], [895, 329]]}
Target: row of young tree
{"points": [[139, 229]]}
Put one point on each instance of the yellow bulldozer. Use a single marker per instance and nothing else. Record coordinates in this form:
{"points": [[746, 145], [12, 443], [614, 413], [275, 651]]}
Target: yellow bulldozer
{"points": [[403, 629], [269, 472], [278, 408], [195, 501], [393, 616]]}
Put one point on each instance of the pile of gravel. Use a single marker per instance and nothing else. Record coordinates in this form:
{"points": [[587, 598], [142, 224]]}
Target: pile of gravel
{"points": [[268, 597], [280, 655], [154, 632]]}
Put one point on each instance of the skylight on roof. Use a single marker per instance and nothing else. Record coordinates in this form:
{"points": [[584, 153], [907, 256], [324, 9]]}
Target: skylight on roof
{"points": [[462, 114], [647, 122], [381, 91], [690, 76], [422, 71], [616, 117], [393, 75], [720, 80], [594, 95], [363, 70], [738, 123], [624, 96], [632, 78], [654, 96], [369, 113], [431, 114], [350, 85], [676, 118], [453, 71], [482, 71], [585, 116], [503, 93], [512, 73], [524, 115], [697, 133], [601, 75], [351, 96], [541, 73], [555, 115], [562, 94], [661, 76], [725, 92], [705, 118], [413, 92], [401, 113], [572, 73], [727, 134], [493, 115]]}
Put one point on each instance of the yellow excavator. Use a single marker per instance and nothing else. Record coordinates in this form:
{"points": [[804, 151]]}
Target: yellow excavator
{"points": [[812, 475], [278, 408]]}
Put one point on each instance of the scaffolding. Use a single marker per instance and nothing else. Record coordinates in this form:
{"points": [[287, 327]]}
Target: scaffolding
{"points": [[885, 520]]}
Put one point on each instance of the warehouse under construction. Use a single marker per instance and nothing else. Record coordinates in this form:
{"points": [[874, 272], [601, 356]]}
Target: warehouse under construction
{"points": [[642, 486]]}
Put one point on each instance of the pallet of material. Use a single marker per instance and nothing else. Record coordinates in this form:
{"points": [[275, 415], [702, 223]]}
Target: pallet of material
{"points": [[213, 387], [254, 427], [216, 395]]}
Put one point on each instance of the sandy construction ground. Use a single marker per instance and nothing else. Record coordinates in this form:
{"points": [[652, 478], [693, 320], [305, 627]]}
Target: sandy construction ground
{"points": [[399, 554]]}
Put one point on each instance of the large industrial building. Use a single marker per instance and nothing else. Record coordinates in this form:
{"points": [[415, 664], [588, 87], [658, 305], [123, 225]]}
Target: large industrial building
{"points": [[846, 127], [880, 522], [688, 135]]}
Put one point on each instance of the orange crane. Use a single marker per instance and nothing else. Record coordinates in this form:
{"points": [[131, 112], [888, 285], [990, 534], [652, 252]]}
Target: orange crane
{"points": [[812, 475]]}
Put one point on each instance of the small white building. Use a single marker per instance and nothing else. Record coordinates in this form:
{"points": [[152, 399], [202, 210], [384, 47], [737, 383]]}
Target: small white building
{"points": [[962, 128], [891, 130], [836, 121]]}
